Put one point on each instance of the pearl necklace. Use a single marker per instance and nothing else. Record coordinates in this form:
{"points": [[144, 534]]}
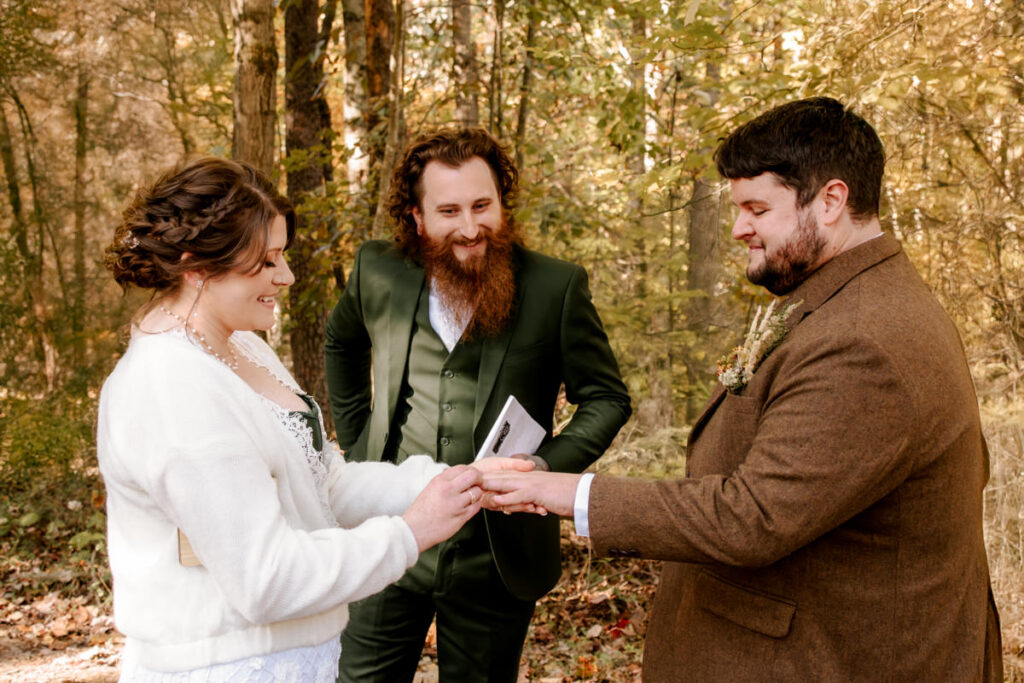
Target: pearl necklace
{"points": [[231, 361]]}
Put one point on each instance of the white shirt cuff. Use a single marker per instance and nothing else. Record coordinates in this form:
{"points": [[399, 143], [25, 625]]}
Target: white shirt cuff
{"points": [[581, 505]]}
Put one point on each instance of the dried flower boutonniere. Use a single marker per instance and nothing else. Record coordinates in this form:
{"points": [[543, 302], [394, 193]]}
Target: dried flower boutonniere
{"points": [[737, 367]]}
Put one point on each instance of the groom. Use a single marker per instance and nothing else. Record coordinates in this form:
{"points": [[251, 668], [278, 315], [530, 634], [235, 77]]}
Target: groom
{"points": [[458, 316], [830, 528]]}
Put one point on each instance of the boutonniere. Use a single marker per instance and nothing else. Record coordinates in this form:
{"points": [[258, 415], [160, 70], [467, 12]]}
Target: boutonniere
{"points": [[737, 367]]}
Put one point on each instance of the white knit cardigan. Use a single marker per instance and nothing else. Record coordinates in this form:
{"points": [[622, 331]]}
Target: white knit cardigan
{"points": [[184, 443]]}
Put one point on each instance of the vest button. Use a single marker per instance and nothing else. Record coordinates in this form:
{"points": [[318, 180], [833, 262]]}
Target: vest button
{"points": [[445, 441], [449, 374], [447, 407]]}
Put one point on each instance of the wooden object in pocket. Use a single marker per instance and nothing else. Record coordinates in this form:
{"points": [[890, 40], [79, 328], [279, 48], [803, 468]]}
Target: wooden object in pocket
{"points": [[186, 556]]}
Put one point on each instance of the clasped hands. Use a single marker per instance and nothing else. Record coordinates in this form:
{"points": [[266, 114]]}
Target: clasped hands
{"points": [[508, 488], [508, 485]]}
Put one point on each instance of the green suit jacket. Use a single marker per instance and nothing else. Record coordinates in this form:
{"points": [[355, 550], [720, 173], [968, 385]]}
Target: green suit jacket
{"points": [[555, 336]]}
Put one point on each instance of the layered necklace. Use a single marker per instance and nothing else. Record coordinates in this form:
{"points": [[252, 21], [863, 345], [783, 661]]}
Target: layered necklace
{"points": [[231, 360]]}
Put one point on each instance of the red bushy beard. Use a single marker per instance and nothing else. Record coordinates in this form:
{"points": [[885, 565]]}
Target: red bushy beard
{"points": [[482, 289]]}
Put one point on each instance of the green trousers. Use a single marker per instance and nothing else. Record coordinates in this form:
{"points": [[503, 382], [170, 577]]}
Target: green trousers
{"points": [[480, 625]]}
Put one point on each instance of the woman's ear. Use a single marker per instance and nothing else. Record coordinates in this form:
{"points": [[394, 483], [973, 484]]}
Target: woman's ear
{"points": [[193, 278]]}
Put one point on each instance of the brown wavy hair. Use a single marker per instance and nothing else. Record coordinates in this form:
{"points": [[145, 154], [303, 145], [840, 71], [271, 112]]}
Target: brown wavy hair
{"points": [[452, 147], [209, 214]]}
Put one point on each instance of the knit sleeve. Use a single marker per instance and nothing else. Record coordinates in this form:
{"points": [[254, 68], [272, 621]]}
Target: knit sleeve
{"points": [[360, 490]]}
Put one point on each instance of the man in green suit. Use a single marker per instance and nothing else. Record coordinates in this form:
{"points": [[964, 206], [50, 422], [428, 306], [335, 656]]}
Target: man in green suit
{"points": [[429, 339]]}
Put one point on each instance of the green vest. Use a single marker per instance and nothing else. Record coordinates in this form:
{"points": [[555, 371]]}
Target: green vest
{"points": [[435, 411]]}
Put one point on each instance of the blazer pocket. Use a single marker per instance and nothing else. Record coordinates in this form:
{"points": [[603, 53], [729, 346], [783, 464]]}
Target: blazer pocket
{"points": [[765, 614]]}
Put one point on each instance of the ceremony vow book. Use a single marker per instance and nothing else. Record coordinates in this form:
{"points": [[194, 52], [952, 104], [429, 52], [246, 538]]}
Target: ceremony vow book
{"points": [[513, 432]]}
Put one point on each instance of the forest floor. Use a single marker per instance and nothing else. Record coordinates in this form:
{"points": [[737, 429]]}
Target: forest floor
{"points": [[589, 628]]}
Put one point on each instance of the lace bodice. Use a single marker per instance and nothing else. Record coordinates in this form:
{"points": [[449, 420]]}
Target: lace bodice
{"points": [[319, 461]]}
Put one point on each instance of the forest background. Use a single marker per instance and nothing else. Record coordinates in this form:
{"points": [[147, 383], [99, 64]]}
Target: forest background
{"points": [[612, 109]]}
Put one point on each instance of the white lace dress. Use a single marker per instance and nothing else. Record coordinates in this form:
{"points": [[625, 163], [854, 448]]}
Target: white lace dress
{"points": [[314, 664]]}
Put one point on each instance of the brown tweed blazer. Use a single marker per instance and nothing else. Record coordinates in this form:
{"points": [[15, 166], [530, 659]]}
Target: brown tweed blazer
{"points": [[830, 528]]}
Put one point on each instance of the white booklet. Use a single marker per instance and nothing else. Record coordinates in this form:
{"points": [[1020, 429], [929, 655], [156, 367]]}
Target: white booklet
{"points": [[513, 432]]}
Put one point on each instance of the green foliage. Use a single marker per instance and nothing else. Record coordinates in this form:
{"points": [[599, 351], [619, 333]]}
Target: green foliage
{"points": [[51, 505], [625, 105]]}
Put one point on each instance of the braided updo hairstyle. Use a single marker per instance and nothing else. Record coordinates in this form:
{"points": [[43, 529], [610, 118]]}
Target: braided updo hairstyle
{"points": [[210, 214]]}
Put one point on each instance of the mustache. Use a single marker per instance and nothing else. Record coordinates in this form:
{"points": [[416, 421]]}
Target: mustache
{"points": [[485, 235], [436, 250]]}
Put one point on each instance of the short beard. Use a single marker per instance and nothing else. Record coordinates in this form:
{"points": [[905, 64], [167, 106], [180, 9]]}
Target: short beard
{"points": [[482, 290], [794, 261]]}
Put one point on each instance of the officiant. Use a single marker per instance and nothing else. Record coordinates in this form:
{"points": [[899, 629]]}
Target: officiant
{"points": [[458, 316]]}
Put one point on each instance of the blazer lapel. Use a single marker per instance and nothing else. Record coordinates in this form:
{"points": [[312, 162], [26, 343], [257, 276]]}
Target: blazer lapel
{"points": [[812, 293], [491, 357], [405, 295], [493, 353], [716, 397]]}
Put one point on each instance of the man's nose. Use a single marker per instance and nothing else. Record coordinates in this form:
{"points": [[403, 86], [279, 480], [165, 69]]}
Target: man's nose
{"points": [[742, 228], [470, 228]]}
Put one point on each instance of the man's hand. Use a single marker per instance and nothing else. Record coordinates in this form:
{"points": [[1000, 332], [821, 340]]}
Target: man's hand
{"points": [[515, 491], [444, 505], [494, 464], [539, 463]]}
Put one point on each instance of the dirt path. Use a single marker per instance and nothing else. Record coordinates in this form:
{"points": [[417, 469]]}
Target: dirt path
{"points": [[80, 663]]}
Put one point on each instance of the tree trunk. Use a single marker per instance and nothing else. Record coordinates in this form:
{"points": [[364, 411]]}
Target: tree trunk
{"points": [[177, 97], [19, 226], [533, 17], [35, 291], [637, 159], [394, 119], [705, 259], [78, 293], [357, 110], [464, 70], [255, 99], [307, 124], [495, 94], [702, 273], [380, 34]]}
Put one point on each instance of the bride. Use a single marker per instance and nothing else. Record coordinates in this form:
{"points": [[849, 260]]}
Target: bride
{"points": [[237, 533]]}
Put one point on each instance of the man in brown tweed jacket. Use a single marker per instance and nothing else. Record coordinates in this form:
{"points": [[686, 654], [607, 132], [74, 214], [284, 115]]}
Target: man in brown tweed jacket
{"points": [[830, 528]]}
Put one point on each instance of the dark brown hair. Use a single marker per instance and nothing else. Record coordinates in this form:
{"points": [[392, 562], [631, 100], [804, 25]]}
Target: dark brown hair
{"points": [[805, 144], [209, 214], [452, 147]]}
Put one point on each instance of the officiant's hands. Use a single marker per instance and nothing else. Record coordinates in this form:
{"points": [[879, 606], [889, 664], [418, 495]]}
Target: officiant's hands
{"points": [[544, 491]]}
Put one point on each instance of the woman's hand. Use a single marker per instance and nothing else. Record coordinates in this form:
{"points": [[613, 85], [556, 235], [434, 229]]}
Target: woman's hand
{"points": [[444, 505]]}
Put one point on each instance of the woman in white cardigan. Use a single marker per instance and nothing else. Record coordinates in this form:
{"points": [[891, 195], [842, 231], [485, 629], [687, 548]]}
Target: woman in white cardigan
{"points": [[236, 533]]}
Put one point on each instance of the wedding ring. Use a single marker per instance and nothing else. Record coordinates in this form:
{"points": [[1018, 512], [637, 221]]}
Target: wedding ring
{"points": [[471, 498]]}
